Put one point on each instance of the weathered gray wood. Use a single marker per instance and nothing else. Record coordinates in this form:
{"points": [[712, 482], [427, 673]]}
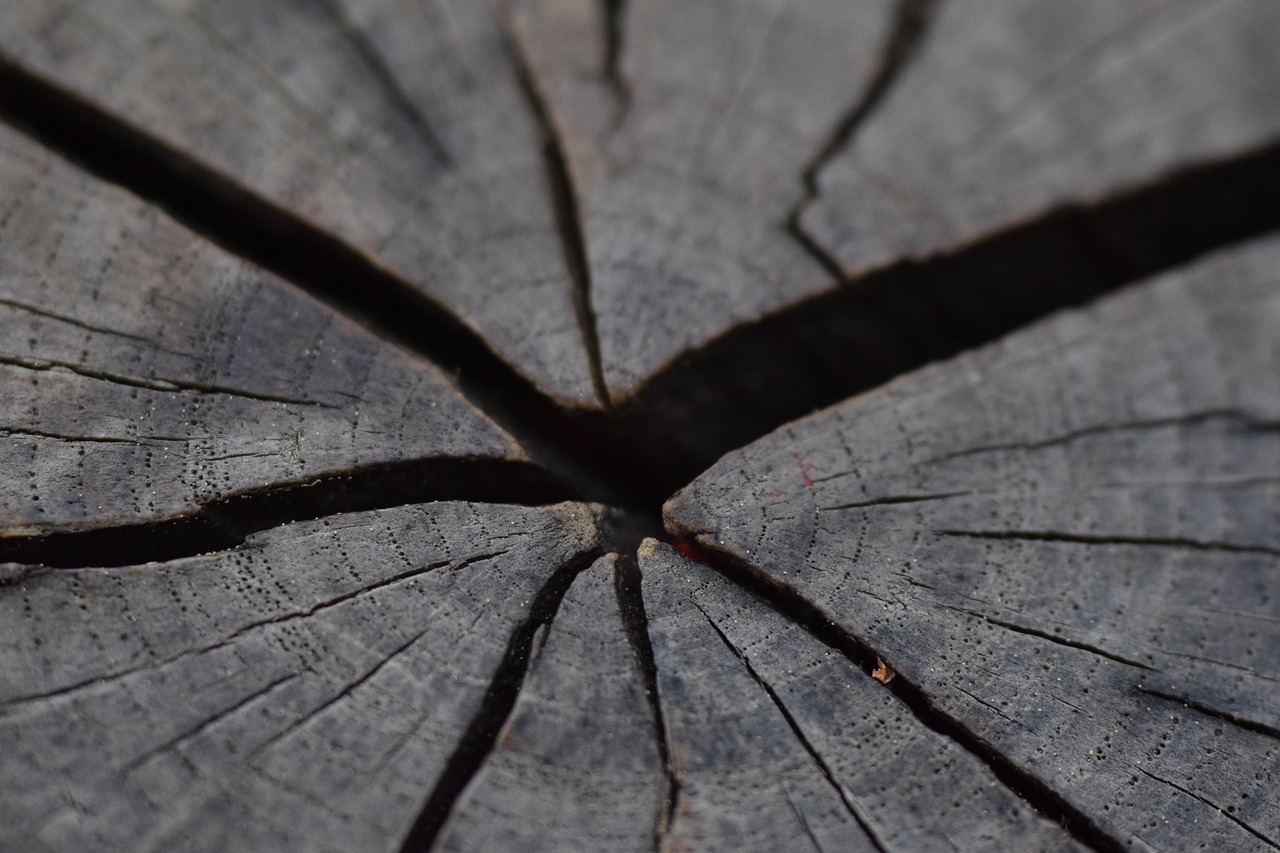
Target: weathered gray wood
{"points": [[1014, 109], [577, 766], [692, 154], [1061, 546], [1058, 539], [689, 157], [755, 704], [398, 126], [145, 372], [302, 692]]}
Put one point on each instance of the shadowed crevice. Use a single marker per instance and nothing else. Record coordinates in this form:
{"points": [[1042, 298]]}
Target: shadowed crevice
{"points": [[636, 621], [564, 196], [478, 741], [761, 375], [827, 773], [790, 604], [738, 387], [299, 251], [224, 523]]}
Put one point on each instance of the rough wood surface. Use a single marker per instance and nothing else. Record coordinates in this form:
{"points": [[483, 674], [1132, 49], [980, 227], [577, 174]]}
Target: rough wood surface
{"points": [[778, 742], [300, 692], [1010, 111], [700, 128], [688, 147], [399, 126], [577, 765], [144, 372], [313, 312], [1066, 541]]}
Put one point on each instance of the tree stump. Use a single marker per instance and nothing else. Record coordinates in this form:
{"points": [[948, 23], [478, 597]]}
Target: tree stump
{"points": [[351, 349]]}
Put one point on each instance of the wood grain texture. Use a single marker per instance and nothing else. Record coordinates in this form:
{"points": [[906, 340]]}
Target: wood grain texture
{"points": [[1066, 541], [398, 126], [1011, 111], [577, 765], [779, 742], [688, 155], [892, 132], [145, 372], [301, 692]]}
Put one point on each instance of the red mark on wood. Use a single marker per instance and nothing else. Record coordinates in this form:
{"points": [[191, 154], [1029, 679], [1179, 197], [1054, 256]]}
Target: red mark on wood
{"points": [[684, 546], [804, 469]]}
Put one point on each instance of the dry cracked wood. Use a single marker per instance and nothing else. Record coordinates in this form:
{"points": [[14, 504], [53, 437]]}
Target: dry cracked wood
{"points": [[1010, 111], [1066, 542], [577, 766], [779, 743], [300, 692], [312, 312], [400, 127], [696, 142], [146, 373]]}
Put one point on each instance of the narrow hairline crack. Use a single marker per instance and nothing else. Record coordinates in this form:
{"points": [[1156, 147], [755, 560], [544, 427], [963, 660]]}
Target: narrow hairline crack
{"points": [[911, 19], [1210, 711], [243, 631], [377, 66], [850, 806], [615, 32], [1066, 537]]}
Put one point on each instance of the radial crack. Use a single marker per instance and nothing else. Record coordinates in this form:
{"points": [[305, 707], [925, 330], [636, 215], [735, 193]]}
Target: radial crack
{"points": [[615, 31], [564, 197], [795, 607], [1101, 539], [400, 99], [910, 23], [636, 623], [253, 227], [1053, 638], [1210, 711], [1219, 809], [854, 811], [224, 523], [168, 386], [499, 700], [1232, 415]]}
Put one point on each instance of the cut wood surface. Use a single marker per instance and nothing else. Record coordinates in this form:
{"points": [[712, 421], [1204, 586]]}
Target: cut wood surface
{"points": [[919, 129], [577, 766], [145, 372], [301, 692], [778, 742], [1066, 542], [349, 349], [1014, 109], [400, 127]]}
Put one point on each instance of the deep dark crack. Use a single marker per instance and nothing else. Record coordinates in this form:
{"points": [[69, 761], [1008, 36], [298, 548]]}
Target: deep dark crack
{"points": [[499, 700], [224, 523], [793, 606]]}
